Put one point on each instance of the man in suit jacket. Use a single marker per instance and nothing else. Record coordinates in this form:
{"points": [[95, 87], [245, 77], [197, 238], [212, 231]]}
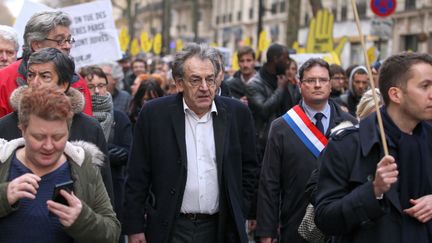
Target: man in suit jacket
{"points": [[289, 159], [196, 152]]}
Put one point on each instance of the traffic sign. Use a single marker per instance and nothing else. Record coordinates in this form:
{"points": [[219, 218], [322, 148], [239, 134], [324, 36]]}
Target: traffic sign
{"points": [[383, 8], [382, 27]]}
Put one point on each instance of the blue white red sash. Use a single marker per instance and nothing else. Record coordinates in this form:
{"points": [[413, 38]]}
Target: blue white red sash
{"points": [[302, 126]]}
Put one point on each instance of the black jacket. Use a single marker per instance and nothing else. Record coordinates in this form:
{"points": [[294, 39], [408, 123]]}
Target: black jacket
{"points": [[346, 203], [267, 102], [158, 159], [236, 86], [286, 168], [119, 144]]}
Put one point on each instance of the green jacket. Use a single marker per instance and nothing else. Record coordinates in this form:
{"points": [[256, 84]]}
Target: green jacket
{"points": [[97, 221]]}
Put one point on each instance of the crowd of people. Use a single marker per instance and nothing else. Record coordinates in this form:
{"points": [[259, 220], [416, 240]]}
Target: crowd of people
{"points": [[184, 150]]}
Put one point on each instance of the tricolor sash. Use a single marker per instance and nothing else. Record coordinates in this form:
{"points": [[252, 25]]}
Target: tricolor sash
{"points": [[302, 126]]}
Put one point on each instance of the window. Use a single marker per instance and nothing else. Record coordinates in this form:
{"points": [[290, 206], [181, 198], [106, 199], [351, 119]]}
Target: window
{"points": [[356, 55], [430, 43], [251, 13], [239, 16], [274, 8], [362, 9], [410, 43], [334, 12], [282, 6], [217, 19], [410, 4], [344, 13], [230, 18]]}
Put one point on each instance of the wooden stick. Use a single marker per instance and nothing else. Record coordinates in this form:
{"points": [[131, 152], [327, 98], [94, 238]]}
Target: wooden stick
{"points": [[372, 84]]}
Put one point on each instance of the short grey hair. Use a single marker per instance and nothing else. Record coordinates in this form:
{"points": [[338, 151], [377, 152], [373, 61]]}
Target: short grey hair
{"points": [[7, 33], [117, 71], [202, 51], [40, 24]]}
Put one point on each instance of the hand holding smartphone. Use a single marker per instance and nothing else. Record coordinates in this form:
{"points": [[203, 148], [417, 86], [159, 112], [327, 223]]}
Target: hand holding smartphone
{"points": [[57, 197]]}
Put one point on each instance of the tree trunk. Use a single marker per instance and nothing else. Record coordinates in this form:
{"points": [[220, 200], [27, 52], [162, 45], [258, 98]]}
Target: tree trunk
{"points": [[195, 13], [293, 23], [166, 24], [316, 5]]}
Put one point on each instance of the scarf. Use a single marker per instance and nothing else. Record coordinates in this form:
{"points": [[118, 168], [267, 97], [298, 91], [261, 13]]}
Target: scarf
{"points": [[413, 159], [103, 111]]}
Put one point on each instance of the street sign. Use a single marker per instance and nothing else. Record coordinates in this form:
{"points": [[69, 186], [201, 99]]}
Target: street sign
{"points": [[382, 27], [383, 8]]}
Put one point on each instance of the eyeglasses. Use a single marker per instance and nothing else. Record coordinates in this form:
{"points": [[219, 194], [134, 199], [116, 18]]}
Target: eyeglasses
{"points": [[62, 41], [195, 82], [99, 86], [312, 81]]}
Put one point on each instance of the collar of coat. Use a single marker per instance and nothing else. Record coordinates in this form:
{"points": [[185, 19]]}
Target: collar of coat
{"points": [[75, 151], [76, 98]]}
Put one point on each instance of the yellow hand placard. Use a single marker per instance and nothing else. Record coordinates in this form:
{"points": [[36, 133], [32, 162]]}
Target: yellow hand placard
{"points": [[179, 45], [157, 44], [146, 42], [247, 41], [372, 54], [234, 62], [263, 42], [214, 44], [332, 58], [320, 36], [298, 49], [135, 48], [124, 39]]}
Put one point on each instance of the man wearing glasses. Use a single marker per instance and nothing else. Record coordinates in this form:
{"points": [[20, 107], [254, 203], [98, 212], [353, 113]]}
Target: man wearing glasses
{"points": [[196, 151], [44, 29], [294, 144]]}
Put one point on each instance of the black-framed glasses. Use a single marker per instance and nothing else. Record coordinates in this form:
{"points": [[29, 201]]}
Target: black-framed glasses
{"points": [[311, 81], [62, 41], [99, 86]]}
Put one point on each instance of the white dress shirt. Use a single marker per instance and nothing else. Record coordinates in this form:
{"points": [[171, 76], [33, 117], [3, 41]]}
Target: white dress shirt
{"points": [[201, 193], [326, 111]]}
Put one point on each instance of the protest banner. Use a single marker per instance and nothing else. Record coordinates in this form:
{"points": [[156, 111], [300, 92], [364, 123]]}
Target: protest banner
{"points": [[96, 37], [92, 28]]}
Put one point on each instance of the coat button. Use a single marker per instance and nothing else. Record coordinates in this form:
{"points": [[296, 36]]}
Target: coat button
{"points": [[179, 161], [172, 191], [165, 223]]}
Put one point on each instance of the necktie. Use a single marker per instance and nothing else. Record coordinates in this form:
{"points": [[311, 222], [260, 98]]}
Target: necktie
{"points": [[318, 116]]}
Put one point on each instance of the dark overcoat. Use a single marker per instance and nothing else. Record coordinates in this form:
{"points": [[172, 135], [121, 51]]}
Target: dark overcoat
{"points": [[286, 168], [346, 204], [158, 160]]}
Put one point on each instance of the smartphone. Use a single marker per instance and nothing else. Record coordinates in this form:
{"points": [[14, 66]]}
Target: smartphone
{"points": [[57, 197]]}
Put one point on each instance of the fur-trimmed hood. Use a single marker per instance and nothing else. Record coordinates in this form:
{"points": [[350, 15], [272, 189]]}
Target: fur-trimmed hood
{"points": [[76, 98], [75, 151]]}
